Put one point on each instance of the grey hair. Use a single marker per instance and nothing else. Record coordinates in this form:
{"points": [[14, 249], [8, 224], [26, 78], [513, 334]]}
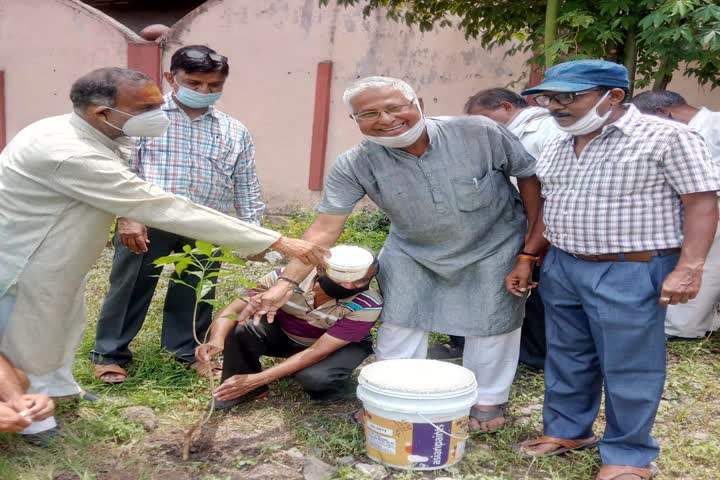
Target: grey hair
{"points": [[100, 87], [369, 83], [649, 102]]}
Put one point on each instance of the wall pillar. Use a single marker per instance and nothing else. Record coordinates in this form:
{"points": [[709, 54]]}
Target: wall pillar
{"points": [[321, 122]]}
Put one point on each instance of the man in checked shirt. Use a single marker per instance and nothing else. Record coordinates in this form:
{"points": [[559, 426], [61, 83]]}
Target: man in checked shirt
{"points": [[630, 211], [206, 156]]}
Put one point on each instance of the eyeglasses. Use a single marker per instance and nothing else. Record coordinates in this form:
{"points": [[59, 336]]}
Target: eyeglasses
{"points": [[200, 55], [372, 115], [565, 98]]}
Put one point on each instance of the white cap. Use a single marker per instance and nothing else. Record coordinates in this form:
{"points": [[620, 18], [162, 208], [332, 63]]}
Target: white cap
{"points": [[348, 263]]}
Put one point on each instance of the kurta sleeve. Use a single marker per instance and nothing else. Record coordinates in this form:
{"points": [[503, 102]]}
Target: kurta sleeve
{"points": [[108, 184], [342, 189]]}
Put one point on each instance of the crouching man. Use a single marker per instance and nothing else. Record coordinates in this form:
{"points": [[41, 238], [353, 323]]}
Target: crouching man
{"points": [[322, 331]]}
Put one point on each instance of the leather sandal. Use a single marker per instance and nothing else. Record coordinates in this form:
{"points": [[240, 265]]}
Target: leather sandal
{"points": [[611, 472], [101, 370], [564, 445]]}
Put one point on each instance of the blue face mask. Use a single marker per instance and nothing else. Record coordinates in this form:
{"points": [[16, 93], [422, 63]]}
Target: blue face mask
{"points": [[191, 98]]}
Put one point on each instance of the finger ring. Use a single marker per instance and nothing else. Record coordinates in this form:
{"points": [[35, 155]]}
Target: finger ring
{"points": [[665, 299]]}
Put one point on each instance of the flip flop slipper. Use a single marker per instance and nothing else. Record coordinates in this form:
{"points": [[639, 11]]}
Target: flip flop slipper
{"points": [[101, 370], [565, 445]]}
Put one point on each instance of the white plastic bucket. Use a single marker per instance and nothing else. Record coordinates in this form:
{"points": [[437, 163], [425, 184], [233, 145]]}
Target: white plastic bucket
{"points": [[416, 412]]}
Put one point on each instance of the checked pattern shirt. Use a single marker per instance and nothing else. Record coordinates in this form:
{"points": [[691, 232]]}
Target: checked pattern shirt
{"points": [[623, 193], [210, 160]]}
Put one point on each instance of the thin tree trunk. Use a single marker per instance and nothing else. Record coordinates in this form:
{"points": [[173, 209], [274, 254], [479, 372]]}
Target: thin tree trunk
{"points": [[630, 58], [661, 82], [551, 14], [662, 79]]}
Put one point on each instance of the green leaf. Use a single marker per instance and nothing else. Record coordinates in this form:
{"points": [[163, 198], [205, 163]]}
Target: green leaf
{"points": [[187, 249], [181, 266], [213, 302], [204, 287], [180, 282], [205, 248], [175, 257], [221, 274], [709, 37]]}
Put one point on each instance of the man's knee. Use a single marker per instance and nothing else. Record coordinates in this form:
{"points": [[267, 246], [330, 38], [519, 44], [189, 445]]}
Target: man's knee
{"points": [[321, 379]]}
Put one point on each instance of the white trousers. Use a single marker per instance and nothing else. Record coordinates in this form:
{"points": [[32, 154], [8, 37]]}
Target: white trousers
{"points": [[693, 319], [55, 384], [493, 359]]}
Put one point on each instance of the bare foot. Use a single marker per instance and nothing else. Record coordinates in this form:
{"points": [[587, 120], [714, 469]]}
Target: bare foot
{"points": [[359, 416]]}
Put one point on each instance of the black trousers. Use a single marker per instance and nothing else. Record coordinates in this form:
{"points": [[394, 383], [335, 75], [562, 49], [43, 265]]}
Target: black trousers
{"points": [[329, 379], [132, 283], [532, 335]]}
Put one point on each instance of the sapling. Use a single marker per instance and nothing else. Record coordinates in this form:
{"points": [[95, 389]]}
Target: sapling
{"points": [[202, 258]]}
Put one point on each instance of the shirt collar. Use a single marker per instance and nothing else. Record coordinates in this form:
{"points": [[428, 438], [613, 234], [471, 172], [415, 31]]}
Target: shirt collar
{"points": [[78, 122], [171, 105], [699, 118], [628, 123]]}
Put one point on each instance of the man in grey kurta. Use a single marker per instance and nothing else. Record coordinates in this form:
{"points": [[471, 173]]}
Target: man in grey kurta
{"points": [[457, 225]]}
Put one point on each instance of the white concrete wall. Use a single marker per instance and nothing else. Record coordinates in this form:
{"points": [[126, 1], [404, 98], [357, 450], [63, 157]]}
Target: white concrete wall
{"points": [[274, 47], [45, 45]]}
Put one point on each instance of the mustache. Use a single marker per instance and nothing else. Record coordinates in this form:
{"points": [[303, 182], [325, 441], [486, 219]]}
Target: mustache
{"points": [[560, 115]]}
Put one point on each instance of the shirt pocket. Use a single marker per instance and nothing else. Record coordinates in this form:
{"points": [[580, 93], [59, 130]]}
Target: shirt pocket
{"points": [[218, 154], [473, 193], [629, 170]]}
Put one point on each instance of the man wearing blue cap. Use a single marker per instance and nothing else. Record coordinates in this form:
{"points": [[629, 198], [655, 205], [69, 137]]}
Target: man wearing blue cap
{"points": [[630, 211]]}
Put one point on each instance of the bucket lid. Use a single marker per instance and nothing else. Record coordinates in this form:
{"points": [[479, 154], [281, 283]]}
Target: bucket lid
{"points": [[416, 376], [348, 263]]}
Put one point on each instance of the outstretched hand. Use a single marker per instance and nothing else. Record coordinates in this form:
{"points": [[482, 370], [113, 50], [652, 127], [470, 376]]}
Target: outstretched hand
{"points": [[266, 304], [306, 252]]}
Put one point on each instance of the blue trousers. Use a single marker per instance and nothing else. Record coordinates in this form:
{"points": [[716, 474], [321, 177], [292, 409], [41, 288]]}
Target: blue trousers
{"points": [[605, 328]]}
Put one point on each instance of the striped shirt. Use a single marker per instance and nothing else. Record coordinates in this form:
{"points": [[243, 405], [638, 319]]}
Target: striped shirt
{"points": [[623, 193], [349, 319], [209, 159]]}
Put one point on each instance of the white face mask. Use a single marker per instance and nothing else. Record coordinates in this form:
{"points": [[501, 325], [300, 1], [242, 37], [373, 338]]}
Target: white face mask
{"points": [[590, 122], [406, 138], [148, 124]]}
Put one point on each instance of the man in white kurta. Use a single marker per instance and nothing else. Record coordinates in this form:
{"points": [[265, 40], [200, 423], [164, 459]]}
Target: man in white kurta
{"points": [[63, 180], [697, 317]]}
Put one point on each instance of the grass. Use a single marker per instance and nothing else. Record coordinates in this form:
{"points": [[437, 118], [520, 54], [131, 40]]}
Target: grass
{"points": [[253, 442]]}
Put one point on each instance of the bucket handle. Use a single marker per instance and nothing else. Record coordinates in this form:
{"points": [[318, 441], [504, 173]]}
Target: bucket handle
{"points": [[440, 429]]}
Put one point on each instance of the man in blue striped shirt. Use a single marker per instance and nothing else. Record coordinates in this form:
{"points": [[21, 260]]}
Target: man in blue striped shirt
{"points": [[206, 156]]}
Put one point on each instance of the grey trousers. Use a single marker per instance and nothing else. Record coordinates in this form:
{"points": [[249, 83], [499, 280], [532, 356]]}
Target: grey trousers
{"points": [[132, 283]]}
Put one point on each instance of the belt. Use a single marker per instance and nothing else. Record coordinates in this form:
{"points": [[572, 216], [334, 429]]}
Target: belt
{"points": [[644, 256]]}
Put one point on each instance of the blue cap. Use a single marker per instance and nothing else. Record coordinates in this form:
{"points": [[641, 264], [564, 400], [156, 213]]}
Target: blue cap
{"points": [[582, 75]]}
